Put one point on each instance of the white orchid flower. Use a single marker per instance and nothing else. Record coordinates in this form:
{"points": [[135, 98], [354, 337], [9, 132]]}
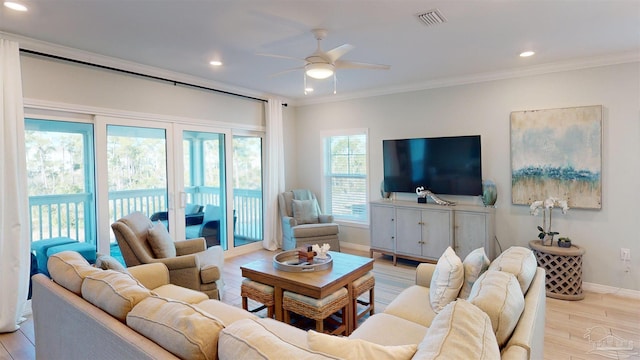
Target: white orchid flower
{"points": [[535, 207], [548, 204], [564, 205]]}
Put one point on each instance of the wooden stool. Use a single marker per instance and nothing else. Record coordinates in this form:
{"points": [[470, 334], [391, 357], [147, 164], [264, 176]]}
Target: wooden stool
{"points": [[365, 283], [258, 292], [318, 309]]}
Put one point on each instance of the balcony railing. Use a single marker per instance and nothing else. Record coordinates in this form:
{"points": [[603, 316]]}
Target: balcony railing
{"points": [[73, 215]]}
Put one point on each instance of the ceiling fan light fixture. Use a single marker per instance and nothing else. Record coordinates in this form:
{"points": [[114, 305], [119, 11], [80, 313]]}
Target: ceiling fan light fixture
{"points": [[319, 70]]}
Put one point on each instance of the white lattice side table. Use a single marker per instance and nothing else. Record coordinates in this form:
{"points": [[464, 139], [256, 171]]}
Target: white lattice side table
{"points": [[563, 269]]}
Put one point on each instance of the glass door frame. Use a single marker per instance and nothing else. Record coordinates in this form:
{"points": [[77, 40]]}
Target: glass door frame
{"points": [[102, 185], [179, 210]]}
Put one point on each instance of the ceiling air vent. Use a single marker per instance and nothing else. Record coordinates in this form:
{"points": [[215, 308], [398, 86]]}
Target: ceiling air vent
{"points": [[432, 17]]}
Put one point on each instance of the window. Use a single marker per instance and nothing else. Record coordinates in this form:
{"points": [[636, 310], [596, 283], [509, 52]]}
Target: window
{"points": [[345, 175]]}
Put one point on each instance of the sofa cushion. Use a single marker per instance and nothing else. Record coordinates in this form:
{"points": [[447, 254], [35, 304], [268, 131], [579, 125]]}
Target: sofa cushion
{"points": [[397, 331], [249, 339], [459, 331], [224, 312], [68, 269], [160, 241], [355, 349], [498, 294], [108, 262], [410, 305], [474, 265], [313, 230], [446, 281], [114, 292], [180, 328], [519, 261], [180, 293], [305, 211]]}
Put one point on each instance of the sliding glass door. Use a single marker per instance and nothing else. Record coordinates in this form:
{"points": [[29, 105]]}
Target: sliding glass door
{"points": [[247, 189], [61, 186], [203, 196], [136, 174]]}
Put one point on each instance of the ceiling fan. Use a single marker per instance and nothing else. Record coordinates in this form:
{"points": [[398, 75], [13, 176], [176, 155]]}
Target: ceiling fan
{"points": [[323, 64]]}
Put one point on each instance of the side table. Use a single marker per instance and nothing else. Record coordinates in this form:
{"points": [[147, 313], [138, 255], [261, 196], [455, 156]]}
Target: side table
{"points": [[563, 269]]}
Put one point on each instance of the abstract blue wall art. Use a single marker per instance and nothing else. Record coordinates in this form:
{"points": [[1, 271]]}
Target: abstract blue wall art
{"points": [[557, 153]]}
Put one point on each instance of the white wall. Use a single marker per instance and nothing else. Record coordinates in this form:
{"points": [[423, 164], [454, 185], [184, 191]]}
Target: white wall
{"points": [[484, 109], [63, 82]]}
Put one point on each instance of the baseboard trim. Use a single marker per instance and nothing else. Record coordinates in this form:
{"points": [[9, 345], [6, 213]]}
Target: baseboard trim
{"points": [[606, 289], [353, 246]]}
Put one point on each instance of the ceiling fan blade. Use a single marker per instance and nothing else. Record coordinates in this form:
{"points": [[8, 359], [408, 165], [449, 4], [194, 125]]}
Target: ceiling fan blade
{"points": [[335, 53], [281, 56], [286, 71], [360, 65]]}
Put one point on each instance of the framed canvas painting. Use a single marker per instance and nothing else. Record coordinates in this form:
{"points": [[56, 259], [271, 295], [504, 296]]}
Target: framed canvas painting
{"points": [[557, 153]]}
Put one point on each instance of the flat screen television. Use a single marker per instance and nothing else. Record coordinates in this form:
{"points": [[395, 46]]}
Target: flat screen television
{"points": [[443, 165]]}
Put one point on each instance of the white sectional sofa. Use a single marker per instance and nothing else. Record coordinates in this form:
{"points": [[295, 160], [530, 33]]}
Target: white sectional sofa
{"points": [[99, 314]]}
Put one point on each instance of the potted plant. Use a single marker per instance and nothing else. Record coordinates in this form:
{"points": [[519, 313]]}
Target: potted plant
{"points": [[546, 235]]}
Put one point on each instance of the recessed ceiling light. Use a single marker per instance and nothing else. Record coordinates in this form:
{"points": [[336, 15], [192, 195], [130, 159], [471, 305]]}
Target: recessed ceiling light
{"points": [[526, 53], [15, 6], [215, 63]]}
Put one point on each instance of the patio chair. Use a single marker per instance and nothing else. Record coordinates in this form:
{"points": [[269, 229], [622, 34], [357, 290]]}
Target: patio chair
{"points": [[191, 264]]}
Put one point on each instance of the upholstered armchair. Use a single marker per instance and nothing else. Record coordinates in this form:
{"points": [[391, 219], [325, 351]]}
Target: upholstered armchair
{"points": [[190, 263], [303, 222]]}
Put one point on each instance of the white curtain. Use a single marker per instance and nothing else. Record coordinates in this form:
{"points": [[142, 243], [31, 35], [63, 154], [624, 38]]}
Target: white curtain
{"points": [[14, 222], [275, 175]]}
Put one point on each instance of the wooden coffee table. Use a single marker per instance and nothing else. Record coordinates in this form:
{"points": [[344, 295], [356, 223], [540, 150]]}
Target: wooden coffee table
{"points": [[317, 284]]}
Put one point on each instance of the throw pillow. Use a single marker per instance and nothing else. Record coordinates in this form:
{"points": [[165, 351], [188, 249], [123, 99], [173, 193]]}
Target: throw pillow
{"points": [[498, 294], [354, 349], [474, 265], [161, 243], [191, 209], [114, 292], [446, 281], [305, 211], [182, 329], [107, 262], [460, 331], [68, 269], [519, 261]]}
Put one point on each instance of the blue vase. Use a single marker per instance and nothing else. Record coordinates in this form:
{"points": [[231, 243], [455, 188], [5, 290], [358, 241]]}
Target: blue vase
{"points": [[489, 193]]}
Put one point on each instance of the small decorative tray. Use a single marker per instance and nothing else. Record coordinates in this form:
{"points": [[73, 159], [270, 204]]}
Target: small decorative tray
{"points": [[288, 261]]}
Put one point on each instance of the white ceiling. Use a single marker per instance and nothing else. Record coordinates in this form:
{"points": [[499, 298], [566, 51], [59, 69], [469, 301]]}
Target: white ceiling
{"points": [[481, 39]]}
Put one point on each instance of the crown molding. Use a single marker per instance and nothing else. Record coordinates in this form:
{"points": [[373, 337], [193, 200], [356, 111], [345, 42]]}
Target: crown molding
{"points": [[569, 65]]}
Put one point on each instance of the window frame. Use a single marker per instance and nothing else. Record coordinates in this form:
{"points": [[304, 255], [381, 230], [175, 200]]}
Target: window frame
{"points": [[325, 138]]}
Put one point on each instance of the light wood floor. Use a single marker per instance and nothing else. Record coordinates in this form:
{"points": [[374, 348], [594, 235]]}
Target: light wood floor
{"points": [[568, 323]]}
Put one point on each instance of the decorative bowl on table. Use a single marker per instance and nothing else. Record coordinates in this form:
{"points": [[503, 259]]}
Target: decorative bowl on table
{"points": [[290, 261]]}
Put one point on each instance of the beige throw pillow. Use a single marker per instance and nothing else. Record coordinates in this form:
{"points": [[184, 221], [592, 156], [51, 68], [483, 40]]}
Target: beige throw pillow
{"points": [[519, 261], [446, 281], [460, 331], [161, 242], [182, 329], [498, 294], [355, 349], [474, 265], [108, 262], [114, 292], [68, 269], [305, 211]]}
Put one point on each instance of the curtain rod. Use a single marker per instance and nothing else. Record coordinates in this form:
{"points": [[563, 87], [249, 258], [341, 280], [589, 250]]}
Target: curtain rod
{"points": [[174, 82]]}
